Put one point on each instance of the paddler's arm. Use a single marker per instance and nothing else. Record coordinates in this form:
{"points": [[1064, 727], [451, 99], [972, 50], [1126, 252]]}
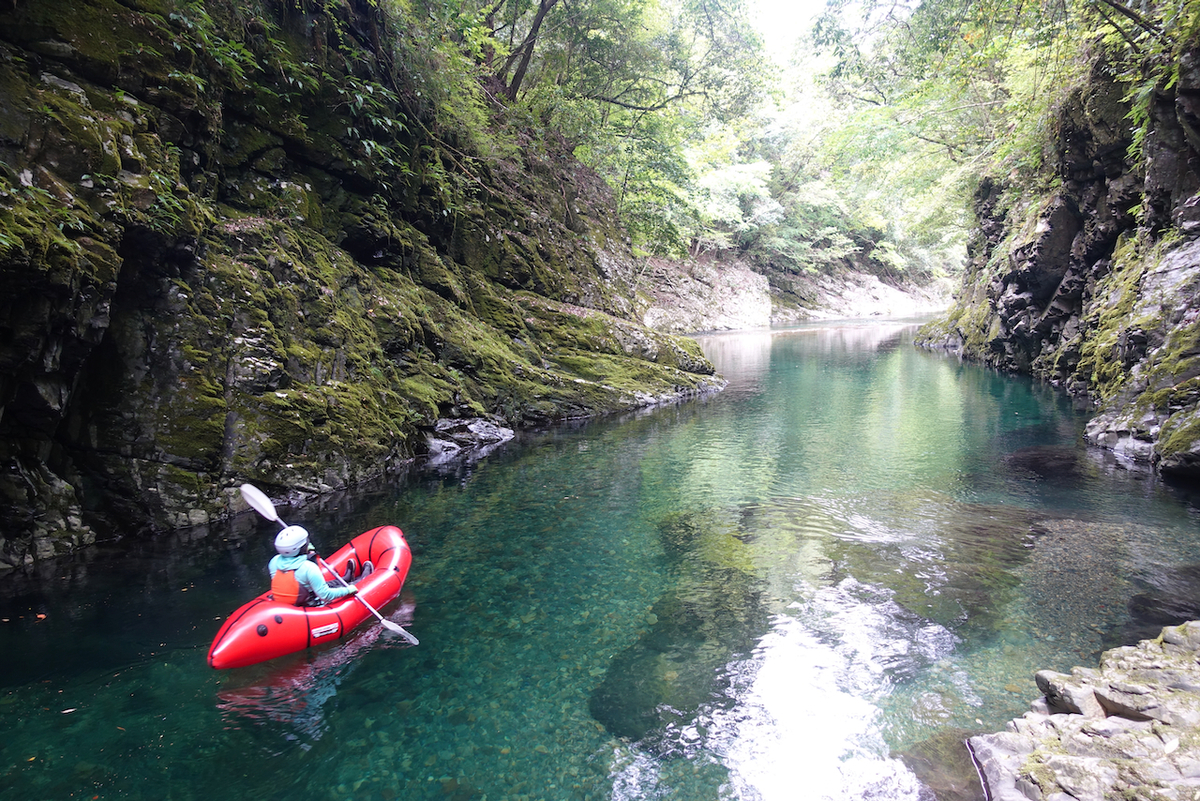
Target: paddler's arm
{"points": [[311, 576]]}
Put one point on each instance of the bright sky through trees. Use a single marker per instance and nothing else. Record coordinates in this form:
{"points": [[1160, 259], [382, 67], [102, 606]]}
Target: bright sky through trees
{"points": [[782, 22]]}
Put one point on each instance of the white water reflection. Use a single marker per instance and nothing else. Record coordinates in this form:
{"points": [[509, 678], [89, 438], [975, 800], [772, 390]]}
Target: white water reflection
{"points": [[635, 776], [807, 720], [797, 731]]}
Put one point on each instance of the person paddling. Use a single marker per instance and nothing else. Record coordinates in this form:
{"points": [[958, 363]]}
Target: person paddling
{"points": [[295, 579]]}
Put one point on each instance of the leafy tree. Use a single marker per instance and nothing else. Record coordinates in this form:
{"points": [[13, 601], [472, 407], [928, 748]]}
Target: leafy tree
{"points": [[628, 83]]}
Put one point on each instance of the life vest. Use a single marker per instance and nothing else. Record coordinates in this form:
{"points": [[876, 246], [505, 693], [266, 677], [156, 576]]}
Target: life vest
{"points": [[286, 589]]}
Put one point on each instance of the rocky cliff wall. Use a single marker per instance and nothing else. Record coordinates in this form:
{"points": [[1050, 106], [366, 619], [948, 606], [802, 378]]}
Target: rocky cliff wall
{"points": [[1089, 278], [720, 294], [238, 242]]}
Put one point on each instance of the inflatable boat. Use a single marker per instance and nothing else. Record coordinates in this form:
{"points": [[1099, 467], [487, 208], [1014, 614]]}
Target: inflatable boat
{"points": [[264, 628]]}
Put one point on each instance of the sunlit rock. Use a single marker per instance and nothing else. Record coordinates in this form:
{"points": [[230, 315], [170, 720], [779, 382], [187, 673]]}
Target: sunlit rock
{"points": [[1127, 730]]}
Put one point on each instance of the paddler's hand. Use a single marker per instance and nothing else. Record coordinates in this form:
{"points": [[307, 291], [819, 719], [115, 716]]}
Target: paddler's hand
{"points": [[353, 590]]}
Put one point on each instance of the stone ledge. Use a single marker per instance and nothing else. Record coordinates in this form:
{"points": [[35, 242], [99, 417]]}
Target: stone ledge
{"points": [[1130, 730]]}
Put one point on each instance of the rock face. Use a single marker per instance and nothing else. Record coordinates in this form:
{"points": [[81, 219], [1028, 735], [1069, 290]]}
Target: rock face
{"points": [[1088, 279], [709, 294], [243, 245], [1128, 730], [451, 437]]}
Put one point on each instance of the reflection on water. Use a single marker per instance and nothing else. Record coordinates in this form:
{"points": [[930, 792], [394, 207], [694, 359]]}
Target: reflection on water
{"points": [[801, 718], [744, 359], [814, 584], [287, 696]]}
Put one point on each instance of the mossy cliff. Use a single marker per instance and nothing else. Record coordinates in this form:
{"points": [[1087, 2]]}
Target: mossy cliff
{"points": [[250, 242], [1088, 276]]}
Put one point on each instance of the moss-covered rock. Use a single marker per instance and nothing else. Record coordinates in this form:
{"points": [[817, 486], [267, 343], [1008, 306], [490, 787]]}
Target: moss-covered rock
{"points": [[1088, 278], [1126, 730], [231, 248]]}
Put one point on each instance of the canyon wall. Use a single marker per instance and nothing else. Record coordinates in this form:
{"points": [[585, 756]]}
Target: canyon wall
{"points": [[240, 242], [1088, 276]]}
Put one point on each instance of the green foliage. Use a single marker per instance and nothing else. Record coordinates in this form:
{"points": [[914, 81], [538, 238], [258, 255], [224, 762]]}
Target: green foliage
{"points": [[629, 84], [675, 105], [33, 220], [230, 58], [1153, 45], [928, 96], [737, 197], [984, 78], [401, 79], [649, 173]]}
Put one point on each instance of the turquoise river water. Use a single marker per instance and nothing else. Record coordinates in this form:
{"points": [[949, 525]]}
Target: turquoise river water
{"points": [[812, 585]]}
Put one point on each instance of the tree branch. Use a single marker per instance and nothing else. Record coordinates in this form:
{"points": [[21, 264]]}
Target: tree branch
{"points": [[1124, 34], [636, 107], [1137, 18], [526, 48]]}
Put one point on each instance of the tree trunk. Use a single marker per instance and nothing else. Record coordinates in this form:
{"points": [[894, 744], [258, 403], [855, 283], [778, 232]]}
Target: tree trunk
{"points": [[526, 48]]}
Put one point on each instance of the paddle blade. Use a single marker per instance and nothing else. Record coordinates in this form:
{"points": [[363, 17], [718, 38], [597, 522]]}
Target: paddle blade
{"points": [[261, 503], [396, 627]]}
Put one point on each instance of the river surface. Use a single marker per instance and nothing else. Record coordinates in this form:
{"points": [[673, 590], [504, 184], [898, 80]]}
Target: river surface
{"points": [[812, 585]]}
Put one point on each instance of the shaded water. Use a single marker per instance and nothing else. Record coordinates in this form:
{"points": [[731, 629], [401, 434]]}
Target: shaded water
{"points": [[810, 585]]}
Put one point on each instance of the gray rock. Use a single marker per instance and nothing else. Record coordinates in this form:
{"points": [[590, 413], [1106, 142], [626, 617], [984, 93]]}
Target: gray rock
{"points": [[1083, 778], [1000, 757], [1065, 694], [1128, 730], [451, 436]]}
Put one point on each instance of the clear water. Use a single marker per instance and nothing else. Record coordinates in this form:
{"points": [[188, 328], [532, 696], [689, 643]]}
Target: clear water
{"points": [[808, 586]]}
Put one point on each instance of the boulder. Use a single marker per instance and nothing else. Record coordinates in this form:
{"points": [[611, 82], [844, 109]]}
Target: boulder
{"points": [[1130, 729], [452, 437]]}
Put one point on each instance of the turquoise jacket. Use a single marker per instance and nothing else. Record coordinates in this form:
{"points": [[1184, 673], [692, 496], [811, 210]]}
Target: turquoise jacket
{"points": [[308, 575]]}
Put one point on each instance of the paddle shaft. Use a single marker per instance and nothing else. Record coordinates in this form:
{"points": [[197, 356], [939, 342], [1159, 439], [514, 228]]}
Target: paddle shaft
{"points": [[387, 624]]}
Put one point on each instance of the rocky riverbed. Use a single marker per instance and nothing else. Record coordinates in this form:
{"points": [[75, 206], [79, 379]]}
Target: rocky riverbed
{"points": [[1128, 730]]}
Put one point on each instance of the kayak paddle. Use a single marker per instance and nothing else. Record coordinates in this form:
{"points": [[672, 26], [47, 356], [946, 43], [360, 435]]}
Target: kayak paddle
{"points": [[262, 504], [387, 624]]}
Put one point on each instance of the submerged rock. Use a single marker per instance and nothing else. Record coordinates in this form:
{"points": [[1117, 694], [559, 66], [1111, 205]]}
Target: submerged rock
{"points": [[944, 765], [1172, 597], [1130, 729], [979, 550], [654, 689], [1047, 461]]}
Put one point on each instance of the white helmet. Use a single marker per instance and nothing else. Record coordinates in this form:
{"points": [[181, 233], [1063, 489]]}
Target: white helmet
{"points": [[291, 541]]}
